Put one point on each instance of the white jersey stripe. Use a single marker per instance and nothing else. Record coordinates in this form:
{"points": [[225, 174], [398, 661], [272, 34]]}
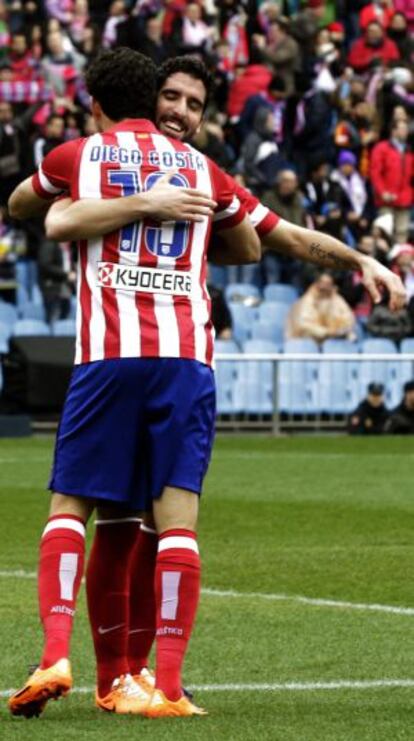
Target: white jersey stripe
{"points": [[199, 306], [90, 187], [168, 334], [130, 336]]}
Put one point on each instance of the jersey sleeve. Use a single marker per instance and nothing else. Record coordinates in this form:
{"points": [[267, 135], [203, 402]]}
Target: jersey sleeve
{"points": [[230, 211], [54, 174], [262, 218]]}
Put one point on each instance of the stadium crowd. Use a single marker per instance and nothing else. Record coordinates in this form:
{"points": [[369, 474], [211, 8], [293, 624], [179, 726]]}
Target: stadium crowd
{"points": [[311, 112]]}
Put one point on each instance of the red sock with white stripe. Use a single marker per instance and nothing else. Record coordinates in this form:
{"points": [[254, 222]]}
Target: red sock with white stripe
{"points": [[62, 552], [107, 590], [177, 591], [142, 599]]}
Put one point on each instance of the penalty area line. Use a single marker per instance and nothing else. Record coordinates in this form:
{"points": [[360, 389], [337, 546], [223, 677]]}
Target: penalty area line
{"points": [[293, 598], [339, 684]]}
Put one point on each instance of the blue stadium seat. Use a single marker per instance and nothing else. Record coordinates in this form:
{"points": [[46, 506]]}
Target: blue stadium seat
{"points": [[72, 313], [274, 311], [380, 371], [268, 331], [407, 345], [339, 387], [227, 373], [237, 291], [298, 379], [243, 318], [257, 378], [27, 275], [22, 295], [281, 292], [64, 328], [31, 327], [5, 332], [8, 313], [406, 366], [37, 297], [30, 310]]}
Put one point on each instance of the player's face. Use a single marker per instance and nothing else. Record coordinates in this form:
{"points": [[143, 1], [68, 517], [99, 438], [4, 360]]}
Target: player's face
{"points": [[180, 106]]}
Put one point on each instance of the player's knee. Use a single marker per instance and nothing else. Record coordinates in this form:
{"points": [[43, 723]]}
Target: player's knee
{"points": [[63, 504], [176, 509]]}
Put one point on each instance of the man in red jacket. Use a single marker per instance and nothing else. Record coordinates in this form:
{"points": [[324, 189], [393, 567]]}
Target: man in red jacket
{"points": [[392, 166], [373, 46]]}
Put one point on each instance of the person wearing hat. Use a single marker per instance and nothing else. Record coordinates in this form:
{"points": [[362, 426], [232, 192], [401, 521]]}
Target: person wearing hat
{"points": [[350, 191], [371, 414], [401, 419]]}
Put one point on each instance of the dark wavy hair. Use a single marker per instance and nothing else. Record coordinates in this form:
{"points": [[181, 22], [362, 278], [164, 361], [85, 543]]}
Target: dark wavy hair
{"points": [[189, 64], [123, 81]]}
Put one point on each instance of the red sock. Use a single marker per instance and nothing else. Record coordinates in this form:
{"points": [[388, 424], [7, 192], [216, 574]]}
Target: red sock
{"points": [[177, 589], [62, 552], [142, 599], [107, 590]]}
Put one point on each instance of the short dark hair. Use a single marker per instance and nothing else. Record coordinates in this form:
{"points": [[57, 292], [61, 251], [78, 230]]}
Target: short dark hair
{"points": [[188, 64], [123, 82]]}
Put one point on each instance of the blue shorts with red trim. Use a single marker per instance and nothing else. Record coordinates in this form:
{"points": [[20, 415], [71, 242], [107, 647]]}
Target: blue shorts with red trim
{"points": [[132, 426]]}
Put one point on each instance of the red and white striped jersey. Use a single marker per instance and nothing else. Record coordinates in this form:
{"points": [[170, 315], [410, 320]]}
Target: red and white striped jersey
{"points": [[142, 289]]}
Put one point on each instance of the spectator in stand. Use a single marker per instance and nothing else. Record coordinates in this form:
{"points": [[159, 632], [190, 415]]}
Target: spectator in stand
{"points": [[382, 230], [194, 35], [22, 63], [380, 10], [260, 157], [210, 141], [401, 419], [350, 192], [321, 313], [57, 278], [373, 46], [352, 287], [390, 325], [312, 127], [317, 189], [274, 98], [151, 42], [280, 50], [13, 132], [392, 168], [117, 15], [399, 32], [53, 136], [401, 259], [358, 130], [407, 8], [371, 414], [396, 93], [248, 80], [220, 313]]}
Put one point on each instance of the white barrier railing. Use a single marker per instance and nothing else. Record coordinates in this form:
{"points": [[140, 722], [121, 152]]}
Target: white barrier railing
{"points": [[273, 419]]}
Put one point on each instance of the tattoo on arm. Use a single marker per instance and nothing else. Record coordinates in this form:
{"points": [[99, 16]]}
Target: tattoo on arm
{"points": [[323, 257]]}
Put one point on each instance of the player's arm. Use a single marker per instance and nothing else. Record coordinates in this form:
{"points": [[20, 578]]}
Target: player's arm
{"points": [[33, 196], [238, 240], [328, 252], [25, 203], [90, 217], [242, 234]]}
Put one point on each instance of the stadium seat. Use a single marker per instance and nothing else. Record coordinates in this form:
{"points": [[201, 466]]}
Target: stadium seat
{"points": [[381, 371], [72, 313], [339, 388], [27, 275], [37, 297], [5, 332], [406, 366], [257, 378], [298, 379], [30, 327], [274, 311], [280, 292], [8, 313], [407, 345], [268, 331], [22, 295], [227, 373], [243, 318], [30, 310], [64, 328], [236, 292]]}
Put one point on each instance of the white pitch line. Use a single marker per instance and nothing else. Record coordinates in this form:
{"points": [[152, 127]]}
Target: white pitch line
{"points": [[336, 684], [295, 598]]}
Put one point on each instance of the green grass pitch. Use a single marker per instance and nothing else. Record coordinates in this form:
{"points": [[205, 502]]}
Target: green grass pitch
{"points": [[307, 545]]}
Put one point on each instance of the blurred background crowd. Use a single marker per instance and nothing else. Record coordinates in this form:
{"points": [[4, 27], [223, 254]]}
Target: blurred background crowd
{"points": [[312, 100]]}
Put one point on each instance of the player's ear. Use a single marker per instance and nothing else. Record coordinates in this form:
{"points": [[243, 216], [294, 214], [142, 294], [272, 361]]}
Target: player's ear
{"points": [[97, 112]]}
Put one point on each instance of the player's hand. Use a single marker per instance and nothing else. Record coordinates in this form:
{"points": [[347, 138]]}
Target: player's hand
{"points": [[166, 202], [376, 276]]}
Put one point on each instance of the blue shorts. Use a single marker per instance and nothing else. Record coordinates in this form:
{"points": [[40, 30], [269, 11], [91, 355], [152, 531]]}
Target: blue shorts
{"points": [[132, 426]]}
